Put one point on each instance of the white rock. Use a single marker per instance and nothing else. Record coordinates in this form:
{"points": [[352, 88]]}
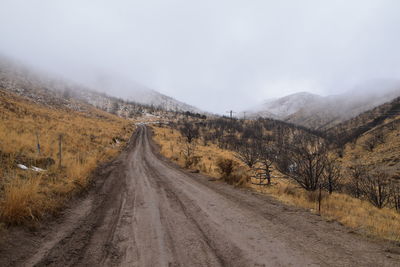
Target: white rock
{"points": [[36, 169], [23, 167]]}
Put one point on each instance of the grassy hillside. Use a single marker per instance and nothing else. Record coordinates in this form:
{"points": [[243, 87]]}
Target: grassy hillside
{"points": [[88, 138], [371, 139], [352, 129]]}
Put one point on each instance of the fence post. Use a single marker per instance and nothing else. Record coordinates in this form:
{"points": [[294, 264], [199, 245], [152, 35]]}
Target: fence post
{"points": [[59, 150], [37, 143], [319, 199]]}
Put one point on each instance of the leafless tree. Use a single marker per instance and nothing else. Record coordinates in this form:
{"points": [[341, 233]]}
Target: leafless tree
{"points": [[189, 155], [395, 194], [247, 152], [307, 156], [266, 158], [189, 131], [357, 173], [331, 175], [371, 142], [376, 188]]}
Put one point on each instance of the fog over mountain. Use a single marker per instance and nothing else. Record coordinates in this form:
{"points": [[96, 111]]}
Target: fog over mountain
{"points": [[322, 112], [23, 80], [215, 55]]}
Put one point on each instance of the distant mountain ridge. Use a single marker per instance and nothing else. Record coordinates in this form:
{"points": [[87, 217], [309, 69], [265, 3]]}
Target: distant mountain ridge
{"points": [[323, 112]]}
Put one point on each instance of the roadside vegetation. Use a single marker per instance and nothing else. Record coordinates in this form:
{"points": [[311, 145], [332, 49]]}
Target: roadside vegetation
{"points": [[293, 164], [34, 181]]}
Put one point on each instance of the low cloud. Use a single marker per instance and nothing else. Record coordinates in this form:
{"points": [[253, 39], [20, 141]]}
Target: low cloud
{"points": [[216, 55]]}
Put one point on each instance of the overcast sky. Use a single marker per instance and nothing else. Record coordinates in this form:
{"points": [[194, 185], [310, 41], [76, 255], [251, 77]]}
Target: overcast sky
{"points": [[217, 55]]}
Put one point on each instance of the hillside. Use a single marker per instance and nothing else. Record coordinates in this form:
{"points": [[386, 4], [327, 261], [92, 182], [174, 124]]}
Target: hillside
{"points": [[34, 181], [372, 138], [138, 100], [224, 149], [321, 113], [283, 107]]}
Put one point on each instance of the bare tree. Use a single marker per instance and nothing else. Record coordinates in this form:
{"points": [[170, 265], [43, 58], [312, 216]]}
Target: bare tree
{"points": [[189, 155], [371, 142], [189, 131], [307, 156], [331, 175], [247, 152], [395, 194], [266, 158], [357, 173], [376, 188]]}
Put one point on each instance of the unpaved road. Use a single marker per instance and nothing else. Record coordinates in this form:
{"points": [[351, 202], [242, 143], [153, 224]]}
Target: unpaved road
{"points": [[144, 211]]}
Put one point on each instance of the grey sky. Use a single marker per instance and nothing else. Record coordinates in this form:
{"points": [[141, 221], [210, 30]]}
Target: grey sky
{"points": [[216, 55]]}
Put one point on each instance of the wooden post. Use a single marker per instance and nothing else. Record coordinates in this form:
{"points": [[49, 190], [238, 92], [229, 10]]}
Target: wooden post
{"points": [[319, 199], [59, 150], [37, 143]]}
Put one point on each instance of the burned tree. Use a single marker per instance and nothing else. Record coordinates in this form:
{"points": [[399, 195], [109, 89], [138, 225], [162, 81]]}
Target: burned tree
{"points": [[331, 175], [357, 173], [395, 195], [307, 158], [189, 131], [376, 188], [266, 158], [247, 152]]}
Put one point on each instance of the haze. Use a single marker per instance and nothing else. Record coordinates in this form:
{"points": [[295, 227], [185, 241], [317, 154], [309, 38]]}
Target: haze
{"points": [[216, 55]]}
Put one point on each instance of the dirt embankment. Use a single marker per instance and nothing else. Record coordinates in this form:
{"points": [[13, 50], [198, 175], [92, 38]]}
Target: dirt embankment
{"points": [[143, 211]]}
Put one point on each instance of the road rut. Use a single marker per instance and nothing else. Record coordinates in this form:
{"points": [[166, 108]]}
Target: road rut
{"points": [[144, 211]]}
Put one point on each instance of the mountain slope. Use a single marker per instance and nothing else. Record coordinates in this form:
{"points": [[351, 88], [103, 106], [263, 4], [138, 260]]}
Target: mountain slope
{"points": [[123, 87], [21, 80], [371, 138], [322, 113], [283, 107]]}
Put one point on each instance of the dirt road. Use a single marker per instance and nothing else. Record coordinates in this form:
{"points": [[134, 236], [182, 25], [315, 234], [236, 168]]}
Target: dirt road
{"points": [[143, 211]]}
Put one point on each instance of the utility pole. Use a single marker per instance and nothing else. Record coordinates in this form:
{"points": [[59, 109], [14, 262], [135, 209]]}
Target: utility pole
{"points": [[231, 113], [244, 115]]}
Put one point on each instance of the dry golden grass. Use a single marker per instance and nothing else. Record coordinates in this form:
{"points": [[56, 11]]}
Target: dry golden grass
{"points": [[87, 140], [385, 154], [171, 145], [354, 213]]}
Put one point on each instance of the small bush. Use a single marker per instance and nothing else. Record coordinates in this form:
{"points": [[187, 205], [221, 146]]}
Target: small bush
{"points": [[230, 173], [225, 167]]}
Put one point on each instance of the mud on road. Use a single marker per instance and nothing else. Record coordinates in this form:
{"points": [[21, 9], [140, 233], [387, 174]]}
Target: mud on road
{"points": [[144, 211]]}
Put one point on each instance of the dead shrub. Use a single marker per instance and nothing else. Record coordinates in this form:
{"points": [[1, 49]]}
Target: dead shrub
{"points": [[230, 173], [225, 167]]}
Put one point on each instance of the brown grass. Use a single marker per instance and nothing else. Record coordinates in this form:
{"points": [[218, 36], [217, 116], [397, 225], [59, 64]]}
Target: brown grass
{"points": [[385, 155], [172, 144], [354, 213], [26, 195]]}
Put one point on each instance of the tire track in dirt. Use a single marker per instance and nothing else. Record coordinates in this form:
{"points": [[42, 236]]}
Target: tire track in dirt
{"points": [[144, 211]]}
